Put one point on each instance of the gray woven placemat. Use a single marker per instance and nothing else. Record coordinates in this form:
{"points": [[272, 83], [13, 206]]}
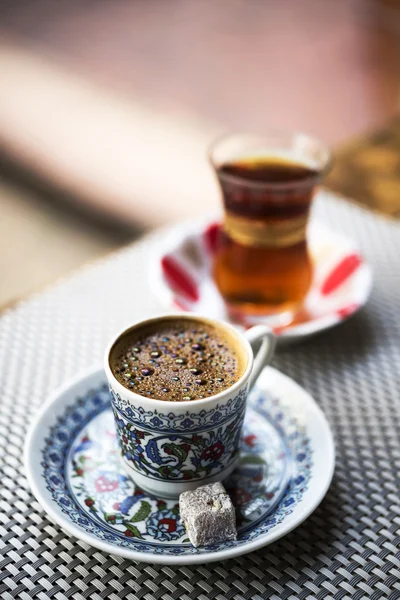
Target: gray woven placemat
{"points": [[349, 548]]}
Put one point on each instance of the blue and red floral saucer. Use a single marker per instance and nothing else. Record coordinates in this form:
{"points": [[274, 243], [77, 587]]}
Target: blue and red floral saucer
{"points": [[73, 467]]}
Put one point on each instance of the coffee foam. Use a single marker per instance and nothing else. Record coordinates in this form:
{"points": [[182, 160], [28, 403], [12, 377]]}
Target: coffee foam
{"points": [[178, 359]]}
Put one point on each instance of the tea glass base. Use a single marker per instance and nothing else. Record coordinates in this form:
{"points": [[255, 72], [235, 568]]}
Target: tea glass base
{"points": [[275, 319], [171, 490]]}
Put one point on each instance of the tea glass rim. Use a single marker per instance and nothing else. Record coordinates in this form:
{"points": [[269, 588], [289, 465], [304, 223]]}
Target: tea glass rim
{"points": [[185, 404], [261, 137]]}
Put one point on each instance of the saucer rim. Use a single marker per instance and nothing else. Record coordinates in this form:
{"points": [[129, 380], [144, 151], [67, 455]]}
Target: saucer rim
{"points": [[47, 415]]}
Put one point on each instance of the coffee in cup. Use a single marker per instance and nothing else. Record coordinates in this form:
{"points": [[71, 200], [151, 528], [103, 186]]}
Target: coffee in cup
{"points": [[177, 360]]}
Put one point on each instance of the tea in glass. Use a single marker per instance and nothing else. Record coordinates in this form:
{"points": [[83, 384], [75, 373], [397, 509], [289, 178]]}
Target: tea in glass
{"points": [[262, 266]]}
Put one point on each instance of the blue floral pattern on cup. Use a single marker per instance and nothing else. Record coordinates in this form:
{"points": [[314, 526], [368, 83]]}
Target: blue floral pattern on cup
{"points": [[179, 447], [156, 421], [178, 457], [82, 470]]}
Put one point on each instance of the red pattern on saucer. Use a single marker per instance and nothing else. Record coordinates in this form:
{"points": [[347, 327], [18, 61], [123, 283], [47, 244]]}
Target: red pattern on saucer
{"points": [[181, 276], [343, 270], [179, 279]]}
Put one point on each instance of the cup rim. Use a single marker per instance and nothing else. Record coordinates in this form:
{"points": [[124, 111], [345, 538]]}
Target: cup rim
{"points": [[186, 403], [327, 165]]}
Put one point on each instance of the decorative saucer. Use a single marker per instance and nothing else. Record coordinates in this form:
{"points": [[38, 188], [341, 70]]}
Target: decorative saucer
{"points": [[180, 275], [72, 464]]}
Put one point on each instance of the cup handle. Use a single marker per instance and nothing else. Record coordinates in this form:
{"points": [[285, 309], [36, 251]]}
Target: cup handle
{"points": [[262, 341]]}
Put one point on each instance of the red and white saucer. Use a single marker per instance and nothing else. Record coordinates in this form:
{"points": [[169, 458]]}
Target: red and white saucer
{"points": [[181, 278]]}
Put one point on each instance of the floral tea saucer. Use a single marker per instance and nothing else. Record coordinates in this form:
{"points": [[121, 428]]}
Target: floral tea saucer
{"points": [[73, 467]]}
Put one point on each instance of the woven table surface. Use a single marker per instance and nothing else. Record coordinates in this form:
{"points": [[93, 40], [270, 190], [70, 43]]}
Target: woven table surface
{"points": [[349, 548]]}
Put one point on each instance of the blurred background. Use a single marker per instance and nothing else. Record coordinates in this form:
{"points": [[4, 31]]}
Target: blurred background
{"points": [[107, 109]]}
